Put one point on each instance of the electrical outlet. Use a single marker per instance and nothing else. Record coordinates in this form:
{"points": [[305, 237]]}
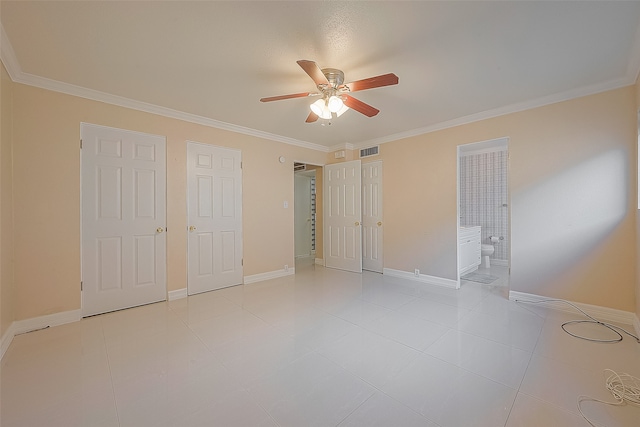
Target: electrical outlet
{"points": [[286, 268], [416, 272]]}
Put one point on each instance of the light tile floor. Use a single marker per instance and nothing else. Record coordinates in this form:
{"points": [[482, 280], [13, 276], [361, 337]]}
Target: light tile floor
{"points": [[321, 348]]}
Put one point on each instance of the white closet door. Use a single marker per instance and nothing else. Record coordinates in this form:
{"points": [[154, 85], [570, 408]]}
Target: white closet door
{"points": [[372, 224], [123, 219], [342, 218], [214, 179]]}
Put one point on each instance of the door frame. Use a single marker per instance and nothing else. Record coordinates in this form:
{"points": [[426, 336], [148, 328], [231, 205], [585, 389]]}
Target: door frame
{"points": [[487, 146], [309, 175], [325, 206], [380, 196], [84, 125], [189, 143]]}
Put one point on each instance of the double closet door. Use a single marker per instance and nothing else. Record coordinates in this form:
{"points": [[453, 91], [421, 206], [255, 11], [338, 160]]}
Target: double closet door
{"points": [[353, 216]]}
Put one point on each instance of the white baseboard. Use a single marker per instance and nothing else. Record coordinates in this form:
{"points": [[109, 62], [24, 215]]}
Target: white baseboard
{"points": [[431, 280], [636, 325], [320, 261], [21, 326], [598, 312], [268, 275], [177, 294]]}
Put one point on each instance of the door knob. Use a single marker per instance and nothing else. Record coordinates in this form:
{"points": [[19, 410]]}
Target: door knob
{"points": [[192, 228], [379, 223], [357, 223], [159, 229]]}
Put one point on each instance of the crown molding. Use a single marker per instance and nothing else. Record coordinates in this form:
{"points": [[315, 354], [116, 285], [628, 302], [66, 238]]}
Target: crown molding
{"points": [[509, 109], [9, 59], [633, 67], [344, 146], [8, 56]]}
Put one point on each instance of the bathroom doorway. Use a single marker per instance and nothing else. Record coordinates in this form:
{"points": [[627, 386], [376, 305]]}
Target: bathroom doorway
{"points": [[484, 202]]}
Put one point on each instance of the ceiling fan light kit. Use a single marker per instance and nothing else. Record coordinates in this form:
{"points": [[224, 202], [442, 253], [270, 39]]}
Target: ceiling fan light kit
{"points": [[335, 98]]}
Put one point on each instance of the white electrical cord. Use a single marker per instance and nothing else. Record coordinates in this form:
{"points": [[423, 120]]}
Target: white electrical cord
{"points": [[624, 387], [609, 326]]}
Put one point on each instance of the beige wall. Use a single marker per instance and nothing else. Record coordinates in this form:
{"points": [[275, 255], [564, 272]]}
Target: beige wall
{"points": [[6, 194], [47, 194], [572, 185]]}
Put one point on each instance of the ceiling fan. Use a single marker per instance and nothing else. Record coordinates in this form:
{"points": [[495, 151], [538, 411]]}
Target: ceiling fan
{"points": [[335, 93]]}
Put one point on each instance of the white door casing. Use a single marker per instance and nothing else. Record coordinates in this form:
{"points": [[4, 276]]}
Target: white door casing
{"points": [[214, 200], [302, 215], [372, 224], [123, 193], [342, 216]]}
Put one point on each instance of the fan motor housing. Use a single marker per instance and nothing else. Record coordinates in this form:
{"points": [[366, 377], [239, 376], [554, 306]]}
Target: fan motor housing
{"points": [[335, 76]]}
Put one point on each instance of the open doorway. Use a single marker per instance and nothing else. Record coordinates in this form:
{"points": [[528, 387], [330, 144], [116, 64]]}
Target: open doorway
{"points": [[307, 214], [484, 213]]}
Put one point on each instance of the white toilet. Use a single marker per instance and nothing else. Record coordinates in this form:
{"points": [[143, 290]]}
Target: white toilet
{"points": [[486, 251]]}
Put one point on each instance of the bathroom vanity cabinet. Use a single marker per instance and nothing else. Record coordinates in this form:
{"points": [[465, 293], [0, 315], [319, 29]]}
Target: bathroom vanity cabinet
{"points": [[469, 249]]}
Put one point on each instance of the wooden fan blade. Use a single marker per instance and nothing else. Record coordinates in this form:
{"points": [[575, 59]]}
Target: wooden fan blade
{"points": [[312, 117], [372, 82], [359, 106], [294, 95], [314, 72]]}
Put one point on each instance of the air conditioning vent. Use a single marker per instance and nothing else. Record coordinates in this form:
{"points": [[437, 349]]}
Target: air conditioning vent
{"points": [[371, 151], [299, 167]]}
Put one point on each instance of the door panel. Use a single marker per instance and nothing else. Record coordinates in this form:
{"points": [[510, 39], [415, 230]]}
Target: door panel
{"points": [[215, 217], [343, 238], [372, 224], [123, 219]]}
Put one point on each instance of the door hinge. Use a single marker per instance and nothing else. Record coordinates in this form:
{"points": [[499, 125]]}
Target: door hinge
{"points": [[242, 262], [81, 144], [81, 285], [240, 165]]}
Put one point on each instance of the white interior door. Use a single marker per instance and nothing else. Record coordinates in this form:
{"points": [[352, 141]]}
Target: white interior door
{"points": [[214, 179], [372, 224], [123, 219], [302, 214], [342, 218]]}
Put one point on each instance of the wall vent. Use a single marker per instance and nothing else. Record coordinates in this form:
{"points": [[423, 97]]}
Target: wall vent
{"points": [[371, 151], [299, 167]]}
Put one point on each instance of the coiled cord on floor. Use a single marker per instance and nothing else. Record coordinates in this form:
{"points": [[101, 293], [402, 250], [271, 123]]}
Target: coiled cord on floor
{"points": [[624, 387], [614, 328]]}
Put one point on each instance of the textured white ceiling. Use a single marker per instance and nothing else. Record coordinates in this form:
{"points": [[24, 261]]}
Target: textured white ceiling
{"points": [[456, 60]]}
